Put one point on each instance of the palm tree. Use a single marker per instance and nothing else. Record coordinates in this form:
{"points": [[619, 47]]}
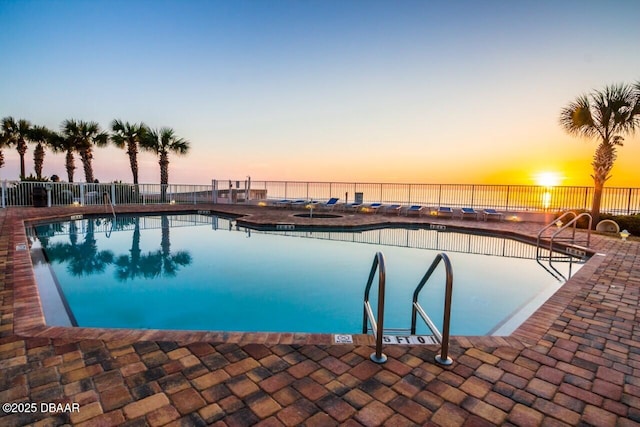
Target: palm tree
{"points": [[4, 141], [85, 135], [42, 137], [65, 143], [129, 135], [17, 133], [605, 116], [162, 142]]}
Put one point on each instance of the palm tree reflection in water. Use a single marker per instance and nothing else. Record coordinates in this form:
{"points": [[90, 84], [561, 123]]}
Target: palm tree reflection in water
{"points": [[85, 259]]}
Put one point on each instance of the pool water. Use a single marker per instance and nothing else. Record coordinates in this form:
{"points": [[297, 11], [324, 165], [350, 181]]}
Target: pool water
{"points": [[199, 272]]}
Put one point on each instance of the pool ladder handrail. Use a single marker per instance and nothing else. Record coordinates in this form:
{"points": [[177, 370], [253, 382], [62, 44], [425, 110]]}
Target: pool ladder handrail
{"points": [[546, 227], [107, 204], [573, 223], [377, 326], [442, 338], [561, 227]]}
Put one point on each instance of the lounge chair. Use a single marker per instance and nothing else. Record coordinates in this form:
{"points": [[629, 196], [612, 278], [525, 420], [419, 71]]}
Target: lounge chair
{"points": [[372, 207], [329, 204], [445, 211], [300, 203], [469, 213], [393, 209], [492, 213], [415, 209], [354, 206], [283, 203]]}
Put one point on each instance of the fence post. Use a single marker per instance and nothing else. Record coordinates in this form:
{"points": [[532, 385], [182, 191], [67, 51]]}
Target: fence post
{"points": [[473, 193], [586, 196], [113, 194], [4, 193], [629, 203], [506, 205], [81, 194]]}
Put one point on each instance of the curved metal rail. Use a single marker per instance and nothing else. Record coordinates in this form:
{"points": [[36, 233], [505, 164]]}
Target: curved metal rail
{"points": [[551, 224], [108, 203], [377, 327], [573, 223], [442, 338]]}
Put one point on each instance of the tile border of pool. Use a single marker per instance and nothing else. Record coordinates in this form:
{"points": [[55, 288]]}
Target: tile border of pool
{"points": [[29, 318]]}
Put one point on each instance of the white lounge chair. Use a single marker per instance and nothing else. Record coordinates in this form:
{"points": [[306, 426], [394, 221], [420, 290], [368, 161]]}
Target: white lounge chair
{"points": [[469, 213], [445, 211], [393, 209], [372, 207], [492, 213], [329, 204], [415, 209]]}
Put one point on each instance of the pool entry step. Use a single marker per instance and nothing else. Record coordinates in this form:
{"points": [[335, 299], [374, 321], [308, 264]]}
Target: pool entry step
{"points": [[376, 325], [392, 339]]}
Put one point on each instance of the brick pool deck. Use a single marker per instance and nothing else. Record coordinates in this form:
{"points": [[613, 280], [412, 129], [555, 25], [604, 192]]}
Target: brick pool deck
{"points": [[576, 361]]}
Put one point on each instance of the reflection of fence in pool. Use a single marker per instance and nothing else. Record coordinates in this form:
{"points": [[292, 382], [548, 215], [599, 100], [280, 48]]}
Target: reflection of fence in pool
{"points": [[503, 197], [428, 239], [415, 238]]}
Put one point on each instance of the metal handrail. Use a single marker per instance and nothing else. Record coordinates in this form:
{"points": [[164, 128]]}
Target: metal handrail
{"points": [[442, 338], [551, 224], [377, 327], [107, 202], [573, 223]]}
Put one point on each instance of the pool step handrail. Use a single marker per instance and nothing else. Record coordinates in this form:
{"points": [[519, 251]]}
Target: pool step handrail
{"points": [[557, 222], [377, 326], [561, 227], [573, 223], [108, 203], [442, 338]]}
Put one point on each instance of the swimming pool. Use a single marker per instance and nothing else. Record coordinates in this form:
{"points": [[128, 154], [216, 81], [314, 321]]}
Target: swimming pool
{"points": [[201, 272]]}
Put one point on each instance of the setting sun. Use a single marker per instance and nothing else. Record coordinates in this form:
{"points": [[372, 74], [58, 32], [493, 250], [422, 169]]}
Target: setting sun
{"points": [[548, 179]]}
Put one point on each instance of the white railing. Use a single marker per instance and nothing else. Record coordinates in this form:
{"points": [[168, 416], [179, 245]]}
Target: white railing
{"points": [[511, 198]]}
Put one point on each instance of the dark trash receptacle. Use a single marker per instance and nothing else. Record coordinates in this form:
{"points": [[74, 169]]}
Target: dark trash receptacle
{"points": [[39, 197]]}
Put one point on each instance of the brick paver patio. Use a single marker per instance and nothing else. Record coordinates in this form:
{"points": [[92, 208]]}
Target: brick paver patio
{"points": [[575, 362]]}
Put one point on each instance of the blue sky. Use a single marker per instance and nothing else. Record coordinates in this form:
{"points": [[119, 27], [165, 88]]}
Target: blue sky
{"points": [[408, 91]]}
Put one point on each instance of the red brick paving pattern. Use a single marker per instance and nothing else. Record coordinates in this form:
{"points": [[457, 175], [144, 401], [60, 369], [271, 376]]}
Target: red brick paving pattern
{"points": [[573, 363]]}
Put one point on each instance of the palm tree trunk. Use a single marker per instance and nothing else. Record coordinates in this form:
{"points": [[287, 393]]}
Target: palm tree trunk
{"points": [[1, 158], [22, 149], [597, 198], [86, 156], [38, 160], [164, 176], [602, 164], [70, 165], [133, 161]]}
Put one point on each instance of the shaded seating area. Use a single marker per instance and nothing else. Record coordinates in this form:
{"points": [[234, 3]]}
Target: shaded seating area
{"points": [[492, 213], [415, 210], [469, 213]]}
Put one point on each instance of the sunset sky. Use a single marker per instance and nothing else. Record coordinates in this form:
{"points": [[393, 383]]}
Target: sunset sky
{"points": [[344, 90]]}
